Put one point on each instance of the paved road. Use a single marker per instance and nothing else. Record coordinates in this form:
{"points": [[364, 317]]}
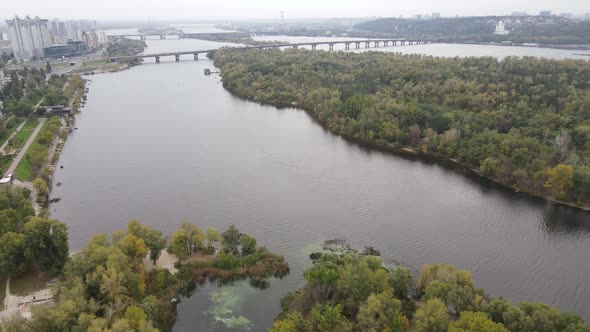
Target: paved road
{"points": [[25, 148], [11, 136]]}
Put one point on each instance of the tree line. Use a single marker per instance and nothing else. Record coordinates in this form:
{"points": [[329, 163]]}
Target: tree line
{"points": [[524, 123], [357, 292], [544, 30]]}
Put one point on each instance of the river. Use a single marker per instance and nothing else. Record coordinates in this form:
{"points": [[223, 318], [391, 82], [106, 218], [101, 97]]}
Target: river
{"points": [[162, 143]]}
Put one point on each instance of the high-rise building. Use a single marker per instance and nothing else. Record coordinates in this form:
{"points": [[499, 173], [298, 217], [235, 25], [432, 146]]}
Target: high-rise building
{"points": [[28, 36]]}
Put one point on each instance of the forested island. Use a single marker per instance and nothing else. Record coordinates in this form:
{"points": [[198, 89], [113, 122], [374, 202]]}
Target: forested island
{"points": [[125, 47], [348, 290], [525, 123]]}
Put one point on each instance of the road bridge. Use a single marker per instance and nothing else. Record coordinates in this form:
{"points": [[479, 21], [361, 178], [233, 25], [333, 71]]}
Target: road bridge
{"points": [[348, 44]]}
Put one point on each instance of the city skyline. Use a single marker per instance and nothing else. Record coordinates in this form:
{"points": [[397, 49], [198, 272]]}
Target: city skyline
{"points": [[266, 9]]}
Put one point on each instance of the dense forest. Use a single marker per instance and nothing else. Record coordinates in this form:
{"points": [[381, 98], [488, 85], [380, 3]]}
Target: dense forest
{"points": [[355, 291], [124, 47], [29, 242], [552, 30], [524, 123]]}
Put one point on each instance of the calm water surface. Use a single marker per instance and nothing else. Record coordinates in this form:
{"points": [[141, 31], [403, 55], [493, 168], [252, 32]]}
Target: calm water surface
{"points": [[163, 143]]}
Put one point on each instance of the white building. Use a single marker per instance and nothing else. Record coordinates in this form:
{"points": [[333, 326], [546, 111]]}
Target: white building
{"points": [[501, 29], [28, 36]]}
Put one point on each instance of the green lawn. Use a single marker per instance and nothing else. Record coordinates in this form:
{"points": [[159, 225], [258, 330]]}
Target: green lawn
{"points": [[22, 136], [5, 162], [24, 170], [94, 63], [10, 127]]}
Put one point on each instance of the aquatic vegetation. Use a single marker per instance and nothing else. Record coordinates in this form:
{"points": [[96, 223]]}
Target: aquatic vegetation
{"points": [[226, 308]]}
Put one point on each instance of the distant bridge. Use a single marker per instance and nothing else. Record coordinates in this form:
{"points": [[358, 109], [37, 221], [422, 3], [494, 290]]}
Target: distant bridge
{"points": [[143, 36], [347, 46]]}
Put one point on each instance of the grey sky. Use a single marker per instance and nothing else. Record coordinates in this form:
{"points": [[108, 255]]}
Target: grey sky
{"points": [[232, 9]]}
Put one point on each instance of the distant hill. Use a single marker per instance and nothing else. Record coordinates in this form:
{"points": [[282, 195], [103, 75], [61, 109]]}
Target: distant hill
{"points": [[544, 30]]}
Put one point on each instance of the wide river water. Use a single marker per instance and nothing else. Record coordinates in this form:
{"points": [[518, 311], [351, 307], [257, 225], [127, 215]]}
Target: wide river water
{"points": [[163, 143]]}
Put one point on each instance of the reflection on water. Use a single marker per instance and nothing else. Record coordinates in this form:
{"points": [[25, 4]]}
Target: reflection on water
{"points": [[223, 308], [561, 220]]}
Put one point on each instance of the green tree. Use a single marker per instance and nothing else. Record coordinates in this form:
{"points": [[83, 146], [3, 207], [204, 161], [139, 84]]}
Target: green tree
{"points": [[156, 242], [46, 244], [12, 259], [212, 236], [248, 245], [431, 317], [381, 312], [401, 281], [294, 322], [475, 322], [516, 320], [326, 318], [40, 185], [230, 239], [496, 308], [136, 318], [560, 180], [178, 245], [48, 67]]}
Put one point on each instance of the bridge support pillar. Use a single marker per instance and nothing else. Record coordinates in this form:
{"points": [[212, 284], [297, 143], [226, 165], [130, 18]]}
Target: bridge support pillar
{"points": [[347, 46], [386, 43], [357, 45], [295, 46], [314, 47], [367, 44], [157, 59], [142, 37], [331, 47], [196, 56], [177, 57], [162, 37]]}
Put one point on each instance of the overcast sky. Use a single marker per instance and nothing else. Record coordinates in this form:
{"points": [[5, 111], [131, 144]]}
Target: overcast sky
{"points": [[243, 9]]}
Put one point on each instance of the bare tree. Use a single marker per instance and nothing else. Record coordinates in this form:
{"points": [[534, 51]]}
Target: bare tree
{"points": [[562, 142]]}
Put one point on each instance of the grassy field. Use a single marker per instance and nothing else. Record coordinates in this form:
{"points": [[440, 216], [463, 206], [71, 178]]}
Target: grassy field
{"points": [[5, 162], [94, 63], [10, 127], [24, 169], [22, 136]]}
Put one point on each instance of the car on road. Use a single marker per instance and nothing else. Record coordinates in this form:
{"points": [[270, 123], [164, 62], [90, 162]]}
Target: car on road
{"points": [[6, 179]]}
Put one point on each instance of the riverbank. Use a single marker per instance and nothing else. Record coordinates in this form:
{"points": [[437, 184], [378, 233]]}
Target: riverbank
{"points": [[408, 121]]}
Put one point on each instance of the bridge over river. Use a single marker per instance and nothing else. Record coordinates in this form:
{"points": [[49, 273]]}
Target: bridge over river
{"points": [[347, 43]]}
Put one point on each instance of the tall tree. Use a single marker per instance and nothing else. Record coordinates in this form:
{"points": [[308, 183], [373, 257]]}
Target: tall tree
{"points": [[560, 180], [230, 239], [431, 317]]}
